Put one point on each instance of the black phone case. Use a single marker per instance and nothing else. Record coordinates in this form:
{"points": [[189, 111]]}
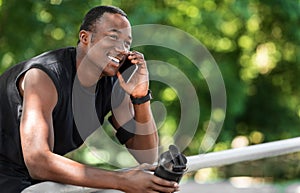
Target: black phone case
{"points": [[127, 70]]}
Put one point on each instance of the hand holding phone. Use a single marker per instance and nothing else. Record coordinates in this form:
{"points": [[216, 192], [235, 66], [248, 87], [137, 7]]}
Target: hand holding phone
{"points": [[133, 74], [127, 69]]}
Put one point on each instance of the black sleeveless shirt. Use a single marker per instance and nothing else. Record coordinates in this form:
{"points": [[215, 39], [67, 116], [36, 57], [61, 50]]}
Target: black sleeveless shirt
{"points": [[60, 66]]}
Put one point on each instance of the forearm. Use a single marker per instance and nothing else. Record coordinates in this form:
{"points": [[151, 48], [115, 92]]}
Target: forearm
{"points": [[57, 168], [144, 144]]}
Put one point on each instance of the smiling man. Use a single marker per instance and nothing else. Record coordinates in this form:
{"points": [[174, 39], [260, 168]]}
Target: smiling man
{"points": [[37, 121]]}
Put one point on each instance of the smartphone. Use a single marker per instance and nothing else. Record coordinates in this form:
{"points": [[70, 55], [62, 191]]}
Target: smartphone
{"points": [[127, 70]]}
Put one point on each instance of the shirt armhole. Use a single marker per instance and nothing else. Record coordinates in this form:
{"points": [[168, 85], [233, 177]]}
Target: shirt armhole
{"points": [[52, 76]]}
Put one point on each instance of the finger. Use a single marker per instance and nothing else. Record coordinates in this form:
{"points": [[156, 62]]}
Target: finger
{"points": [[152, 191], [137, 58], [123, 83], [121, 79], [138, 61], [164, 188], [135, 55], [165, 183]]}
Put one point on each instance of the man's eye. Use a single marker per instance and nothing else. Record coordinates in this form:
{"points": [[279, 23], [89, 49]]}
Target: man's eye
{"points": [[115, 37], [127, 44]]}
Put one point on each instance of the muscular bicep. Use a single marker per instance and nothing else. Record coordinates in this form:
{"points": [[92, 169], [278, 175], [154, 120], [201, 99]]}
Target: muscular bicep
{"points": [[39, 100]]}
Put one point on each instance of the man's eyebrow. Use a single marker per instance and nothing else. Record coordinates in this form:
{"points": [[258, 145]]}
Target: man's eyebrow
{"points": [[115, 30], [119, 32]]}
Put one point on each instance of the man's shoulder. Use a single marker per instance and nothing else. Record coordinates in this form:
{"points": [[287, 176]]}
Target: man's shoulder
{"points": [[56, 62], [53, 56], [59, 65]]}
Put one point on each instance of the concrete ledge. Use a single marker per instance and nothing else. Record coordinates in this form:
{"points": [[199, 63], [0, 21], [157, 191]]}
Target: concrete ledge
{"points": [[52, 187], [189, 187]]}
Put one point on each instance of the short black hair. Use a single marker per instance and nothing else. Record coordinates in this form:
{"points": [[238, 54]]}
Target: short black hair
{"points": [[96, 13]]}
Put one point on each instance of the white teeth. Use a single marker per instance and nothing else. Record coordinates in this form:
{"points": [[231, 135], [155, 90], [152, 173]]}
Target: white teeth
{"points": [[114, 59]]}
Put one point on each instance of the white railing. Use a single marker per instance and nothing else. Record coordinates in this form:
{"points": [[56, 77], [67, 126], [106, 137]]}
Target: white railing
{"points": [[248, 153], [195, 163]]}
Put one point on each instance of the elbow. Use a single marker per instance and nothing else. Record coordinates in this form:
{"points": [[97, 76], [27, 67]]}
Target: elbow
{"points": [[144, 148], [144, 155], [151, 158], [36, 164]]}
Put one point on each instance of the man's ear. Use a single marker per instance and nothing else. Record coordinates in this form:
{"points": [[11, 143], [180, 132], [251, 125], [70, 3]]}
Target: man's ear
{"points": [[84, 36]]}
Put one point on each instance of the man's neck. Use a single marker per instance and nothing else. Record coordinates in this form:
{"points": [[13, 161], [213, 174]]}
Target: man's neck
{"points": [[87, 75]]}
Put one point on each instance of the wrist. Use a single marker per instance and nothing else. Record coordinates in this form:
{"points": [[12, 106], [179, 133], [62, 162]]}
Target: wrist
{"points": [[121, 181], [141, 100]]}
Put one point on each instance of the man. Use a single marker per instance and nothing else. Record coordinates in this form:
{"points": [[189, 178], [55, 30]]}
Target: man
{"points": [[37, 124]]}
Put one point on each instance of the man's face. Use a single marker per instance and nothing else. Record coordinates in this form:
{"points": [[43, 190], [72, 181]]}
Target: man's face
{"points": [[112, 38]]}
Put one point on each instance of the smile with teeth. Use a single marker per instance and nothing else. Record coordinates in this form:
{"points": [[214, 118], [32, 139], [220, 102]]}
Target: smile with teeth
{"points": [[116, 60]]}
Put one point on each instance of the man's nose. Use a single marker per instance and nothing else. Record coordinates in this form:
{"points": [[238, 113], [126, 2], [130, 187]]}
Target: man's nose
{"points": [[121, 47]]}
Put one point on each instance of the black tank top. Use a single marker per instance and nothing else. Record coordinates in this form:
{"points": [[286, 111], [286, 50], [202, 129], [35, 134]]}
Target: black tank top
{"points": [[60, 66]]}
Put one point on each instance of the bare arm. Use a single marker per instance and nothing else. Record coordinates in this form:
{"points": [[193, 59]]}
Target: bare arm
{"points": [[37, 140], [144, 144]]}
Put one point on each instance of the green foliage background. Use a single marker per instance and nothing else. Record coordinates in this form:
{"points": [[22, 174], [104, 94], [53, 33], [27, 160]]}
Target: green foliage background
{"points": [[255, 43]]}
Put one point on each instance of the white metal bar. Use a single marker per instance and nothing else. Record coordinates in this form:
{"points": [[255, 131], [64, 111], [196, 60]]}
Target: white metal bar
{"points": [[248, 153]]}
